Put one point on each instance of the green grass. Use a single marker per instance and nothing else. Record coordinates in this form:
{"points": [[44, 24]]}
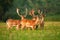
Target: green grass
{"points": [[52, 17], [51, 31]]}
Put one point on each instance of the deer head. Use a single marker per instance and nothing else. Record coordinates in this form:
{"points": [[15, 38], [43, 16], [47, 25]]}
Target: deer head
{"points": [[32, 12]]}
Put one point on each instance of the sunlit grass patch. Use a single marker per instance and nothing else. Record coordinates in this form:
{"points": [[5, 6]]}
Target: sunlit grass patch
{"points": [[52, 23]]}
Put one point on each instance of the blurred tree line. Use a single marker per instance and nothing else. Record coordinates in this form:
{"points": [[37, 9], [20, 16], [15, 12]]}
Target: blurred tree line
{"points": [[8, 7], [4, 7]]}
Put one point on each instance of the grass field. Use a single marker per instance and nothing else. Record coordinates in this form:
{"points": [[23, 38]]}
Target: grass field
{"points": [[51, 31]]}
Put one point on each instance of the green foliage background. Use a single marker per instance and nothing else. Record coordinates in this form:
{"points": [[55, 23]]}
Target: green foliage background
{"points": [[51, 8]]}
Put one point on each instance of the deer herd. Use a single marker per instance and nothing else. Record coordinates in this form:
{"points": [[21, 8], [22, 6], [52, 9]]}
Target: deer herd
{"points": [[27, 23]]}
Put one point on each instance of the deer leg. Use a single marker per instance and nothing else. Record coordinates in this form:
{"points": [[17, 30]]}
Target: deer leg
{"points": [[8, 26], [42, 25], [17, 27], [22, 27], [32, 27]]}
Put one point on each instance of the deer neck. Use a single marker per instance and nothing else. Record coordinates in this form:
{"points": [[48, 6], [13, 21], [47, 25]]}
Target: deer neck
{"points": [[42, 19], [37, 19], [22, 17]]}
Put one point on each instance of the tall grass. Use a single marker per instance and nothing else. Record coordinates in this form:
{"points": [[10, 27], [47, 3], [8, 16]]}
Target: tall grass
{"points": [[51, 31]]}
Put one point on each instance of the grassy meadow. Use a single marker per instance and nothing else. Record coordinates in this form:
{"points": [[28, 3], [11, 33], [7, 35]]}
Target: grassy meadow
{"points": [[51, 31], [51, 9]]}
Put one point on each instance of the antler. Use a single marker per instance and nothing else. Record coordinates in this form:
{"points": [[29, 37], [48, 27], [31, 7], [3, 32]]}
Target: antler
{"points": [[26, 12], [39, 11], [18, 12]]}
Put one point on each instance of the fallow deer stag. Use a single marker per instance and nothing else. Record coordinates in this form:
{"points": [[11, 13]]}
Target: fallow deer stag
{"points": [[11, 22], [39, 20], [32, 23], [41, 17]]}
